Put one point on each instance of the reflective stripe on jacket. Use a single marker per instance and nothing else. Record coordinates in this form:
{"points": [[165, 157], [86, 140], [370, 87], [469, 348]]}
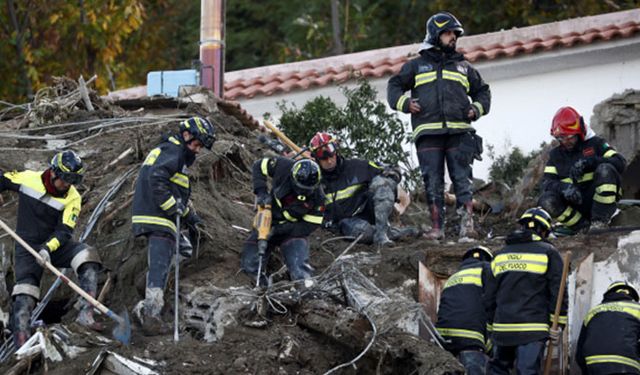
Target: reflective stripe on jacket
{"points": [[163, 179], [43, 220], [442, 84]]}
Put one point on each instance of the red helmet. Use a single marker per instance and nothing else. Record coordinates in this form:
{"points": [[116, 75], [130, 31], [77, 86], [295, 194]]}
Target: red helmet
{"points": [[323, 145], [567, 121]]}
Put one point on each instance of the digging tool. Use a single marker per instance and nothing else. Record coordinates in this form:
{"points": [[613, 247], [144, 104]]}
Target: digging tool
{"points": [[556, 314], [176, 335], [262, 223], [122, 332], [282, 136]]}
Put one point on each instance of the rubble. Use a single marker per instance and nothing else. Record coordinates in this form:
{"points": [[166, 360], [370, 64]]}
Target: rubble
{"points": [[360, 316]]}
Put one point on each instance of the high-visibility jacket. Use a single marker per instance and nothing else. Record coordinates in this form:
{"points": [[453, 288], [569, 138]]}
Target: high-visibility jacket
{"points": [[44, 220], [346, 188], [556, 172], [294, 214], [442, 84], [608, 341], [163, 179], [522, 299], [462, 318]]}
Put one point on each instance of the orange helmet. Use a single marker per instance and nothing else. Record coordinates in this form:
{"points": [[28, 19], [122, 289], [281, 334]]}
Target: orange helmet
{"points": [[323, 145], [567, 121]]}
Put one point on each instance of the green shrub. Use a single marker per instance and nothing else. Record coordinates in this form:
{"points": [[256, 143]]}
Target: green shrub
{"points": [[510, 167], [364, 127]]}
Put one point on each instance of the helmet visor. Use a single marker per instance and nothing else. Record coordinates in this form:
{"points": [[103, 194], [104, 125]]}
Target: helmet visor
{"points": [[324, 152], [70, 177]]}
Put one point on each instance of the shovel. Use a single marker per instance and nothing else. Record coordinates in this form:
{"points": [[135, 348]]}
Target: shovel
{"points": [[122, 332]]}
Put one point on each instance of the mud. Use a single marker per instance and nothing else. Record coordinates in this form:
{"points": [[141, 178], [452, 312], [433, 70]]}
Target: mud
{"points": [[222, 196]]}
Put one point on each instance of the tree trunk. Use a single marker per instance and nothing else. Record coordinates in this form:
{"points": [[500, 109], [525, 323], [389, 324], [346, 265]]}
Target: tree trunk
{"points": [[338, 48], [25, 86]]}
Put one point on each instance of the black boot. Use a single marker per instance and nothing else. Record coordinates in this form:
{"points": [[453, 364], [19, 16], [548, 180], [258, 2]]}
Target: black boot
{"points": [[21, 310]]}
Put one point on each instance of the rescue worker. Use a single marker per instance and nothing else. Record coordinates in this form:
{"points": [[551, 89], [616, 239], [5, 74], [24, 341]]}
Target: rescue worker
{"points": [[162, 193], [610, 335], [582, 179], [441, 82], [521, 300], [297, 205], [48, 210], [359, 194], [462, 318]]}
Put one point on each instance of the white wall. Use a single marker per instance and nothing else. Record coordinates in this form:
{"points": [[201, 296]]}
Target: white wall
{"points": [[523, 104]]}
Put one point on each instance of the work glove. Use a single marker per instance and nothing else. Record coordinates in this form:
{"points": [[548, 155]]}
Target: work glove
{"points": [[572, 194], [393, 172], [473, 113], [582, 166], [263, 199], [44, 255], [555, 335], [177, 209]]}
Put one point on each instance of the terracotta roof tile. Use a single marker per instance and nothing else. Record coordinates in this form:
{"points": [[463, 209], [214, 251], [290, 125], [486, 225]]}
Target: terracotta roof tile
{"points": [[282, 80]]}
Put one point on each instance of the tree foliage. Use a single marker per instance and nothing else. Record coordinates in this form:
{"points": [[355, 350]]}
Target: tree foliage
{"points": [[121, 40], [510, 167], [363, 127]]}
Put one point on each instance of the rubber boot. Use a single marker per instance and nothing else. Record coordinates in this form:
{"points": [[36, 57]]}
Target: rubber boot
{"points": [[148, 313], [437, 224], [88, 278], [383, 199], [466, 222], [398, 234], [22, 307]]}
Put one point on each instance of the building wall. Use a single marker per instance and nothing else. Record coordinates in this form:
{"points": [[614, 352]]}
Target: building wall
{"points": [[526, 92]]}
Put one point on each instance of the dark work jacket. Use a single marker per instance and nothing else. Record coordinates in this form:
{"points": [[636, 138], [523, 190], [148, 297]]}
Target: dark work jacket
{"points": [[462, 318], [556, 172], [443, 84], [522, 299], [294, 214], [44, 220], [163, 179], [346, 188], [608, 342]]}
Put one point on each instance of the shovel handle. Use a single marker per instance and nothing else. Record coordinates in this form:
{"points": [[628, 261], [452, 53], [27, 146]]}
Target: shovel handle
{"points": [[95, 303], [282, 136], [556, 314]]}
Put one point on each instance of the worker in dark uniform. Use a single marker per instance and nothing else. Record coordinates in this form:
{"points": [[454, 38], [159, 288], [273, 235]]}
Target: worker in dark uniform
{"points": [[297, 206], [48, 210], [582, 179], [162, 192], [522, 299], [442, 83], [462, 318], [609, 341], [359, 194]]}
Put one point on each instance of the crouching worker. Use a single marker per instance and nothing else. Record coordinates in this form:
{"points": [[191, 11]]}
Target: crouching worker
{"points": [[582, 179], [162, 193], [297, 205], [462, 318], [610, 335], [48, 209], [359, 194]]}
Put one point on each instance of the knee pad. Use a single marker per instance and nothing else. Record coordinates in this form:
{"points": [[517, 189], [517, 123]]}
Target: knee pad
{"points": [[24, 289], [85, 254], [605, 171]]}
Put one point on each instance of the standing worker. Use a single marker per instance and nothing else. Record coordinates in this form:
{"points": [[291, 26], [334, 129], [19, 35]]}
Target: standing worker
{"points": [[441, 82], [462, 316], [522, 299], [48, 210], [360, 194], [162, 192], [582, 179], [297, 205], [609, 341]]}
